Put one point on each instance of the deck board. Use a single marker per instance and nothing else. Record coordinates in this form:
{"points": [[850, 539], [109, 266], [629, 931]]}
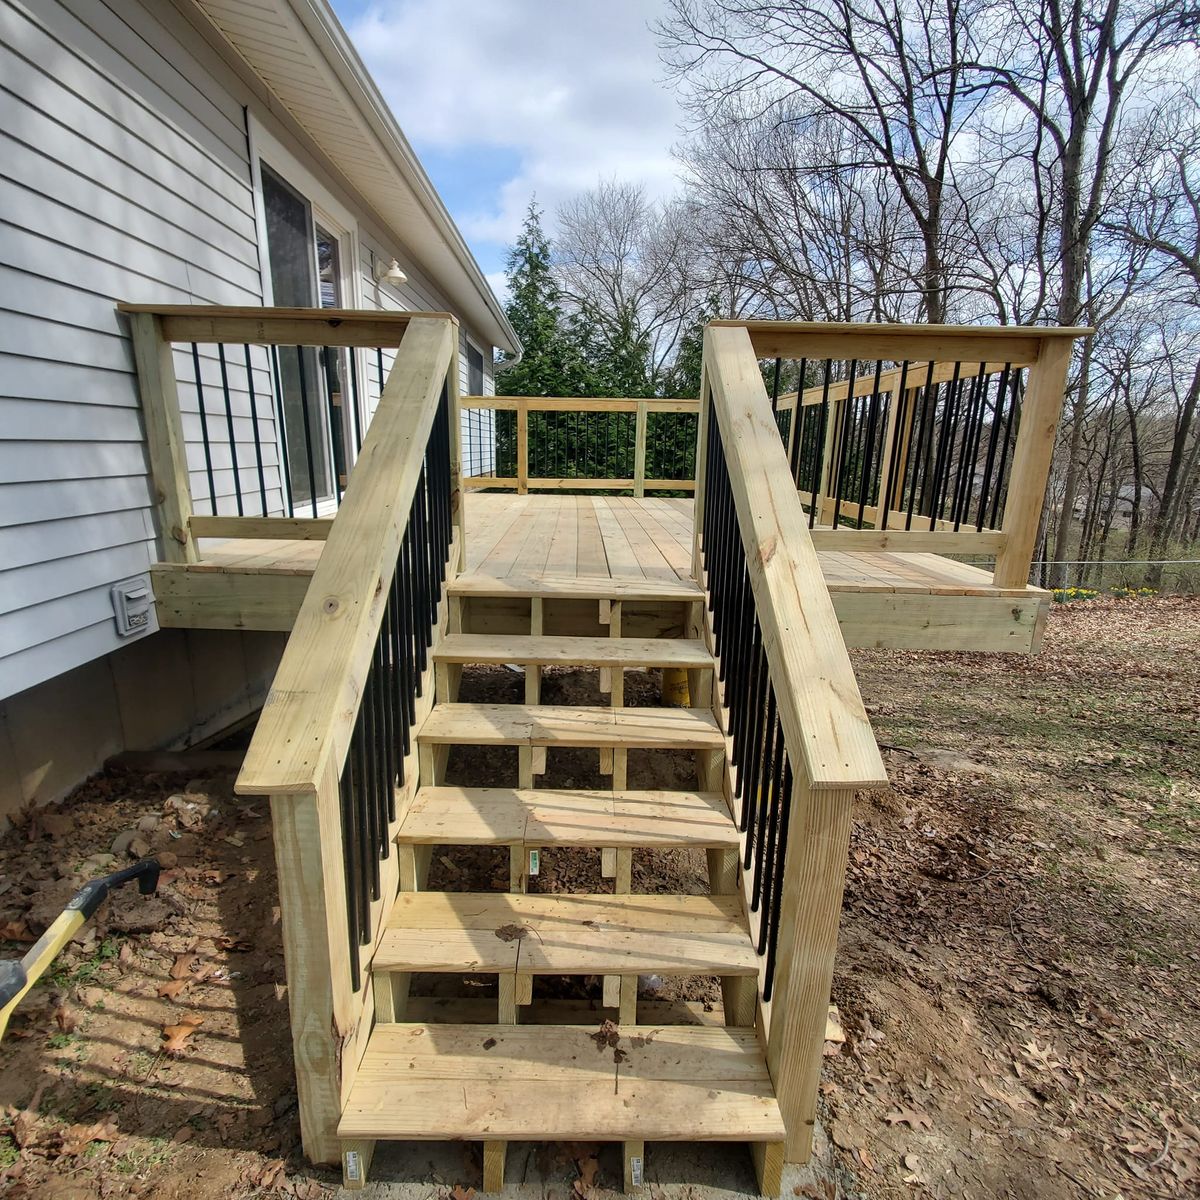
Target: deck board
{"points": [[883, 598]]}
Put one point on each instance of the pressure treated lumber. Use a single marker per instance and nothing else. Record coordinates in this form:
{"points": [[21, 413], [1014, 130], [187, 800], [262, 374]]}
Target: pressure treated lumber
{"points": [[546, 1083], [257, 325], [824, 722], [312, 705], [1041, 408], [573, 651], [1015, 344], [561, 725], [165, 440], [457, 816], [552, 587], [536, 934]]}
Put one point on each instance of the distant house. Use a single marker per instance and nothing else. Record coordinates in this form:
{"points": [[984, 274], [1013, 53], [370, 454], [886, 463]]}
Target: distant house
{"points": [[200, 151]]}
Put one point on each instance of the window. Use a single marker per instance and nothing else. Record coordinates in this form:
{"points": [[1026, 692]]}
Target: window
{"points": [[474, 371], [304, 261]]}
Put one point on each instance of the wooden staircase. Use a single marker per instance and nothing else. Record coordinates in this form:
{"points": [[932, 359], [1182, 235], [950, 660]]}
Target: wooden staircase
{"points": [[611, 1080], [356, 735]]}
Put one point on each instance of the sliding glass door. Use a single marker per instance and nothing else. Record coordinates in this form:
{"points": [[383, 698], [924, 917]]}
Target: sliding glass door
{"points": [[304, 264]]}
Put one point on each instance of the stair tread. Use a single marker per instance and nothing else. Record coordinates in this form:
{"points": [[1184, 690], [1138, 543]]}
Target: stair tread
{"points": [[461, 816], [598, 587], [566, 934], [539, 1083], [563, 725], [573, 651]]}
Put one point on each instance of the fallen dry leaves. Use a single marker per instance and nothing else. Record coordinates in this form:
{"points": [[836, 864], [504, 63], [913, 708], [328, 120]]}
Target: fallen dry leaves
{"points": [[175, 1037]]}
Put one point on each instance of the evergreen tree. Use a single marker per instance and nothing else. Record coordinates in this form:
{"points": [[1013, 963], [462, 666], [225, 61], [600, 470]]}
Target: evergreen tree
{"points": [[552, 364]]}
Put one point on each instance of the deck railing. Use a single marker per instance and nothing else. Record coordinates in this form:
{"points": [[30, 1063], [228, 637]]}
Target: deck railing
{"points": [[552, 443], [798, 739], [918, 438], [333, 747], [256, 416]]}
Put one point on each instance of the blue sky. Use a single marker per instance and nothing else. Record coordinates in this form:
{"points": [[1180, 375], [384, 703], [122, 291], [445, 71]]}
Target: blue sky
{"points": [[504, 99]]}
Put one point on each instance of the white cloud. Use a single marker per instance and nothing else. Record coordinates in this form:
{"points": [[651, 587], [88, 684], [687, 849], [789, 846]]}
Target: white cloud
{"points": [[572, 87]]}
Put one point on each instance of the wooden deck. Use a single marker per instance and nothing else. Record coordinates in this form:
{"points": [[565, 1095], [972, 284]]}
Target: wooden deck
{"points": [[883, 598]]}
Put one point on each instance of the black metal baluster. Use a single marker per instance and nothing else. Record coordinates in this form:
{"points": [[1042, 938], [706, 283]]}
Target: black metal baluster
{"points": [[785, 809], [763, 700], [868, 453], [208, 467], [798, 427], [918, 465], [900, 400], [285, 482], [355, 402], [941, 466], [1011, 422], [258, 454], [350, 865], [964, 485], [233, 454], [816, 499], [843, 446], [362, 830], [337, 450], [993, 438], [776, 847], [308, 444]]}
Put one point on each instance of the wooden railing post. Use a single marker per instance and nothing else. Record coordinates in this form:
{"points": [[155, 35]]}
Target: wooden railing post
{"points": [[818, 842], [639, 449], [164, 436], [1032, 457], [312, 902], [522, 448]]}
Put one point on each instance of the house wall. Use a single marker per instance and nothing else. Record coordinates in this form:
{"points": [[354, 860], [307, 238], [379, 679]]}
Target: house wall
{"points": [[127, 176]]}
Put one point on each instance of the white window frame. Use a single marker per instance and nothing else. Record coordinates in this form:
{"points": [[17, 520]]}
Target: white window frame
{"points": [[335, 218]]}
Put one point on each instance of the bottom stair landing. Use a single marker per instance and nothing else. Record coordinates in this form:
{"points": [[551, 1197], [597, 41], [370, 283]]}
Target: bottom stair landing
{"points": [[602, 1083]]}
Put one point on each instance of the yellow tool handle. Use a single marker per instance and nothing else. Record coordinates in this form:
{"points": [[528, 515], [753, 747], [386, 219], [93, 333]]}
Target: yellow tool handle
{"points": [[17, 976], [41, 954]]}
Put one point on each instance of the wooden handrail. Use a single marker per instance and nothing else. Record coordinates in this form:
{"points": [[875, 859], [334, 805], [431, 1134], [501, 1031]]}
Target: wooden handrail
{"points": [[654, 404], [824, 722], [522, 406], [212, 323], [309, 714], [1019, 345]]}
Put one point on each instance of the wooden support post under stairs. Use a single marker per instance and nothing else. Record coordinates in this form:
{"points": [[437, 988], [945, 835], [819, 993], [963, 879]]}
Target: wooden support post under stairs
{"points": [[356, 1162], [634, 1158], [768, 1166], [494, 1154]]}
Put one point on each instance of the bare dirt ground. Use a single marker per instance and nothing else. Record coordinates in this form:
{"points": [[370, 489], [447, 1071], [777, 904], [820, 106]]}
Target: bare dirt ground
{"points": [[1019, 966], [1018, 976]]}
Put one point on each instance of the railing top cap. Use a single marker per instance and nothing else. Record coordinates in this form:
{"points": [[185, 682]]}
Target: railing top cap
{"points": [[879, 327], [258, 312]]}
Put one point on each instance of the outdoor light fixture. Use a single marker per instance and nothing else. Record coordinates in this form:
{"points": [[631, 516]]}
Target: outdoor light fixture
{"points": [[389, 272]]}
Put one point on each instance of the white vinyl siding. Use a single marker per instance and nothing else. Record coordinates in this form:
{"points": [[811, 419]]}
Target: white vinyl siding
{"points": [[127, 176]]}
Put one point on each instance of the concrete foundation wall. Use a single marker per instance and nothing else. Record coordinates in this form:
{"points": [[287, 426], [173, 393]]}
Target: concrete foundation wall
{"points": [[163, 692]]}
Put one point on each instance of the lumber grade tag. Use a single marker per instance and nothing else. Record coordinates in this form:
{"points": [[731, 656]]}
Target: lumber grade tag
{"points": [[635, 1170], [535, 859], [353, 1166]]}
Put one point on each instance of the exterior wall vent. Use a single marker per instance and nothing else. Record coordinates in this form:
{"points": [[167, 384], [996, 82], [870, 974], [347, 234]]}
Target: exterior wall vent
{"points": [[133, 603]]}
